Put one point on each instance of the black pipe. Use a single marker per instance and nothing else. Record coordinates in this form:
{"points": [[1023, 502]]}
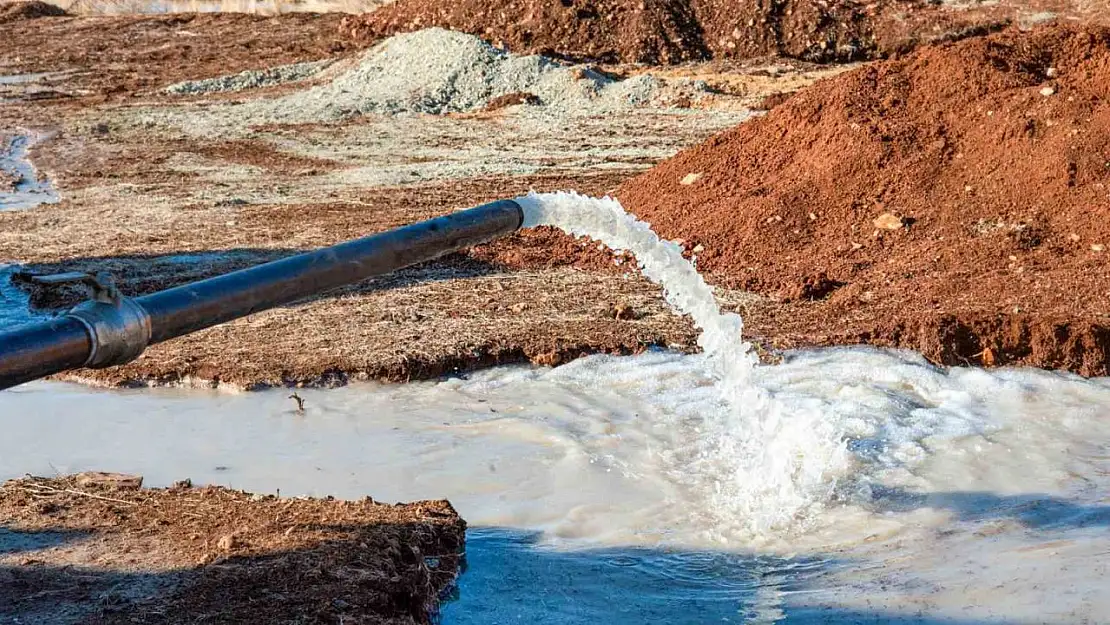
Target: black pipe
{"points": [[39, 350]]}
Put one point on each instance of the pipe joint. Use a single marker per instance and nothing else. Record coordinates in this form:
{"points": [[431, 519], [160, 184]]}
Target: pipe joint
{"points": [[119, 331]]}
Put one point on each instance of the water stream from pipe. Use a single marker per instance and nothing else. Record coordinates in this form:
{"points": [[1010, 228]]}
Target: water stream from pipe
{"points": [[772, 464]]}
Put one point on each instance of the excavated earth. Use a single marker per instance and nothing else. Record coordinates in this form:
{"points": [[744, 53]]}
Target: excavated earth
{"points": [[955, 201], [676, 31], [97, 549]]}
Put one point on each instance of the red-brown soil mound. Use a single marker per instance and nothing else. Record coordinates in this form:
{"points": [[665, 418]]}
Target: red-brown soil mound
{"points": [[12, 11], [956, 201], [672, 31]]}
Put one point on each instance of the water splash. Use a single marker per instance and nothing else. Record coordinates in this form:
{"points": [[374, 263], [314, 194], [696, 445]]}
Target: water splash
{"points": [[766, 465]]}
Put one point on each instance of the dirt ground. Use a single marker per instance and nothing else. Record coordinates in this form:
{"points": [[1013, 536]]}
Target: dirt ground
{"points": [[159, 205], [97, 549], [159, 190]]}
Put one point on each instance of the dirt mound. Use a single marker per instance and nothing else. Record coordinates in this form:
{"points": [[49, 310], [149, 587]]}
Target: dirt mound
{"points": [[969, 179], [97, 548], [829, 30], [656, 31], [14, 11], [437, 71], [673, 31]]}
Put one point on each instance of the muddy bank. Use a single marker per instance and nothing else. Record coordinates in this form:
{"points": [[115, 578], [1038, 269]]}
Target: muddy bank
{"points": [[99, 549]]}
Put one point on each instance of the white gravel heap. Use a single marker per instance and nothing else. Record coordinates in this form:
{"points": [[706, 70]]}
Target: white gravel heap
{"points": [[439, 71]]}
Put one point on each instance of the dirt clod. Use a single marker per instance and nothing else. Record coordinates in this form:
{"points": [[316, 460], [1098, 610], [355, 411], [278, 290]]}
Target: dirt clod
{"points": [[888, 221], [102, 479]]}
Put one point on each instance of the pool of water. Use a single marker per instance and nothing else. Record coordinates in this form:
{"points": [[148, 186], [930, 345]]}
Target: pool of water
{"points": [[971, 496], [21, 186], [14, 302]]}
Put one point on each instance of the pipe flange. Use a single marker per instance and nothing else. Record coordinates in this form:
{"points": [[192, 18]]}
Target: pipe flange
{"points": [[119, 330]]}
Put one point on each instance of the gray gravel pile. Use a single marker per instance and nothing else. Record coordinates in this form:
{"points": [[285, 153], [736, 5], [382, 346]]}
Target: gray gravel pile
{"points": [[251, 79], [438, 71]]}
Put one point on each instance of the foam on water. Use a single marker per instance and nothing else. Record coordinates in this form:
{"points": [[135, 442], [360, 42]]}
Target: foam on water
{"points": [[771, 464], [975, 496]]}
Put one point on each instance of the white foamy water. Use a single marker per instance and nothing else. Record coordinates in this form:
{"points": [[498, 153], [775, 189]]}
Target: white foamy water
{"points": [[772, 463], [972, 494]]}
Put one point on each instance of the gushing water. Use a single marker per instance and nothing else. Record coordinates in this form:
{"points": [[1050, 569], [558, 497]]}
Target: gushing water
{"points": [[769, 466]]}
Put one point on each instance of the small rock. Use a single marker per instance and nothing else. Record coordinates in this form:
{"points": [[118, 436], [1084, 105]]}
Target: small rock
{"points": [[690, 178], [518, 308], [888, 221], [812, 217], [987, 357], [856, 246], [1073, 237], [182, 484], [1051, 72], [227, 543], [698, 249], [1047, 91], [340, 604], [1097, 247]]}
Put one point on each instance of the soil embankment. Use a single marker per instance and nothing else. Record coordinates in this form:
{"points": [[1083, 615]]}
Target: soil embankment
{"points": [[98, 549], [955, 201], [675, 31]]}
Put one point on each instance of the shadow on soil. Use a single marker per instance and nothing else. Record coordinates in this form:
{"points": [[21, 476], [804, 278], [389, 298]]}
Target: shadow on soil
{"points": [[16, 541], [378, 572], [1037, 511], [143, 274]]}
